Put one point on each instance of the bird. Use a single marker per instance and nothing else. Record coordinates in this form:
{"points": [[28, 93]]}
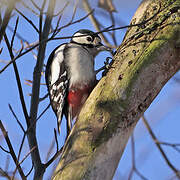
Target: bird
{"points": [[70, 74]]}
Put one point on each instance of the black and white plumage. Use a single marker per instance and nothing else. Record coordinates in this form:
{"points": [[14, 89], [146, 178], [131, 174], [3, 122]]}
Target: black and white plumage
{"points": [[70, 74]]}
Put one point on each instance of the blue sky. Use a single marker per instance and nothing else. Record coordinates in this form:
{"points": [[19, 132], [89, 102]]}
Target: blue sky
{"points": [[163, 114]]}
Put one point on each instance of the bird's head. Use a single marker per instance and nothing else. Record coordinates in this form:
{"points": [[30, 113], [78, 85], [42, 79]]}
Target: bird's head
{"points": [[90, 40]]}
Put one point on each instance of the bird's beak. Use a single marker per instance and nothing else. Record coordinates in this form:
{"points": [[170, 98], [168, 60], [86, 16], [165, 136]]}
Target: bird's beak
{"points": [[102, 47]]}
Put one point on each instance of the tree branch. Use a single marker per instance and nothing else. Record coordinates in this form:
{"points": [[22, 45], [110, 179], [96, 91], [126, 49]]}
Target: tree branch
{"points": [[32, 140], [11, 150], [160, 148], [6, 18], [141, 67]]}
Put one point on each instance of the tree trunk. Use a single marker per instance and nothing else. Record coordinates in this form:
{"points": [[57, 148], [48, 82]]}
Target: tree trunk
{"points": [[148, 57]]}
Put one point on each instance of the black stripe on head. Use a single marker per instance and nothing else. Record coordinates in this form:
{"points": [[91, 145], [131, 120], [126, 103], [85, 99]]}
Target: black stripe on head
{"points": [[88, 32]]}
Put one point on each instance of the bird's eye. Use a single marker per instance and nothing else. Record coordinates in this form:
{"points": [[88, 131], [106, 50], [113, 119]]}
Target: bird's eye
{"points": [[89, 38]]}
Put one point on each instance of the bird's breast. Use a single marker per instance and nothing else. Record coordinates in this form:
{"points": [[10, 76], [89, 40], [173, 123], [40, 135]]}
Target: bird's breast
{"points": [[81, 66]]}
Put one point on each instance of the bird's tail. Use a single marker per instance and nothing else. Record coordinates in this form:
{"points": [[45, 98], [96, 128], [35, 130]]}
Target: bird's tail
{"points": [[70, 118], [59, 120]]}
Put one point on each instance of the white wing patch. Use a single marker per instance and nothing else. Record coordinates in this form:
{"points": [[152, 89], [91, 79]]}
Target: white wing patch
{"points": [[55, 66], [58, 82]]}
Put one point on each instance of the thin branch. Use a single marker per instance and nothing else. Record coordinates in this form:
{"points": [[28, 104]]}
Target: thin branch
{"points": [[6, 18], [11, 150], [95, 21], [61, 10], [134, 169], [21, 126], [50, 150], [159, 147], [4, 174], [18, 81], [56, 140], [54, 157], [133, 157], [74, 12], [174, 146], [58, 152], [6, 151], [7, 163], [28, 20], [21, 146], [43, 98], [28, 44], [30, 171], [29, 8], [43, 112], [14, 33], [113, 32], [35, 5], [25, 157], [4, 61], [69, 24], [40, 17]]}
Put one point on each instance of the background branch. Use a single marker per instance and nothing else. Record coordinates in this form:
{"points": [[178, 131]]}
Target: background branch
{"points": [[38, 166], [177, 172]]}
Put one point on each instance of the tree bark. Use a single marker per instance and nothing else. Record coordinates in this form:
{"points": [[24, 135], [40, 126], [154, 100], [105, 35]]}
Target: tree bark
{"points": [[148, 57]]}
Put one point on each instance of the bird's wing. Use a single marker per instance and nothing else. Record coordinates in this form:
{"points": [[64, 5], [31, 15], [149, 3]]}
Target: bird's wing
{"points": [[57, 81]]}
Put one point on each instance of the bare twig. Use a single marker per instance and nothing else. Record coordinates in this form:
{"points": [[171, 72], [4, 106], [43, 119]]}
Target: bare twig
{"points": [[58, 21], [40, 17], [4, 61], [43, 98], [18, 35], [4, 174], [50, 150], [159, 147], [113, 32], [28, 20], [134, 169], [25, 157], [43, 112], [69, 24], [61, 10], [6, 151], [17, 78], [29, 8], [11, 150], [30, 171], [95, 21], [21, 126], [58, 152], [7, 163], [54, 157], [6, 18], [35, 5], [56, 140], [173, 145]]}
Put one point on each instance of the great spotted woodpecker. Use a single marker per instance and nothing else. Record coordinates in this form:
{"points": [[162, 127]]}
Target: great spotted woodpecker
{"points": [[70, 74]]}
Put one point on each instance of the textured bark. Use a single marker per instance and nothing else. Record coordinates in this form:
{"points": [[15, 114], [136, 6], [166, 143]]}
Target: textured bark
{"points": [[148, 57]]}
